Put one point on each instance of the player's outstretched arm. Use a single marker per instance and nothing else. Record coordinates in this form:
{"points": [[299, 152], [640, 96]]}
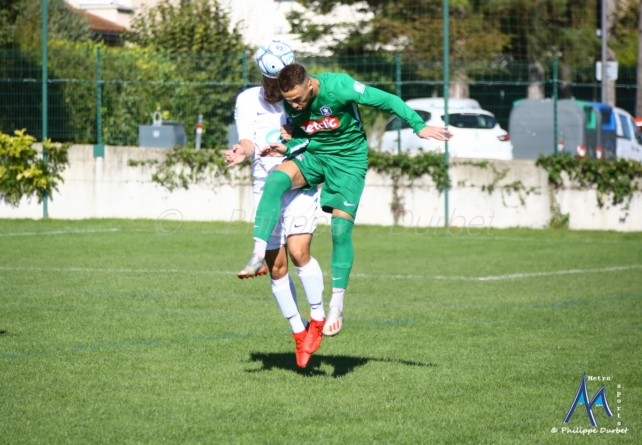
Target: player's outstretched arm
{"points": [[274, 150], [439, 133], [374, 97], [239, 153]]}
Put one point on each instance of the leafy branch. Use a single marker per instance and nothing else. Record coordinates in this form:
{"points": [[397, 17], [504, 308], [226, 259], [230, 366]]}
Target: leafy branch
{"points": [[24, 172], [620, 178], [398, 165], [183, 167], [425, 163], [517, 187]]}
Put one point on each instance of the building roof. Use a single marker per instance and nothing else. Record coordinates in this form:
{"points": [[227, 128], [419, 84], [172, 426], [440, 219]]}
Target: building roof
{"points": [[99, 24]]}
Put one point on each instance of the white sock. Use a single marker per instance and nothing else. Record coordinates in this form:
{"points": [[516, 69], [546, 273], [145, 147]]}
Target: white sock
{"points": [[284, 298], [293, 290], [337, 297], [260, 247], [312, 279]]}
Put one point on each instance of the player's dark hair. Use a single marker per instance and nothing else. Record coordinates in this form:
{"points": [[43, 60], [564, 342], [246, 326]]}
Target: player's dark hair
{"points": [[291, 76]]}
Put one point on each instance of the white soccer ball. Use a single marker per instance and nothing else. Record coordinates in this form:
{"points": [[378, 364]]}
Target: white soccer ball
{"points": [[272, 56]]}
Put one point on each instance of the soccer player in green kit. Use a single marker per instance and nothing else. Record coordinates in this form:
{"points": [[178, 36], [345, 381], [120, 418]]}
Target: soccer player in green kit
{"points": [[328, 146]]}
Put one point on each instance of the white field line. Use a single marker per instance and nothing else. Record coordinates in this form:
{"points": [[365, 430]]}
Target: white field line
{"points": [[514, 238], [489, 237], [59, 232], [93, 270], [539, 274], [355, 275]]}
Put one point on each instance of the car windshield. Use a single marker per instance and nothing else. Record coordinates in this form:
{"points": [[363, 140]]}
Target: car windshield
{"points": [[392, 123], [469, 120]]}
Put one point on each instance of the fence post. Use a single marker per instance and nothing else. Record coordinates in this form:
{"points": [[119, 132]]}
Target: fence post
{"points": [[99, 148], [398, 84], [555, 94], [45, 80], [199, 132], [446, 93], [603, 54]]}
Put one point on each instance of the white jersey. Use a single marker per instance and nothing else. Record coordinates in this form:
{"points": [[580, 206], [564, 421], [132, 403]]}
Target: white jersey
{"points": [[260, 122]]}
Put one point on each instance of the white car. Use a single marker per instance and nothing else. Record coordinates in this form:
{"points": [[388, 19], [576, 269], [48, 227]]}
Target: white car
{"points": [[476, 133], [629, 139]]}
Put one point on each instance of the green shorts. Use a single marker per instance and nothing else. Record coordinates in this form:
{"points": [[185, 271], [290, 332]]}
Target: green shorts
{"points": [[343, 178]]}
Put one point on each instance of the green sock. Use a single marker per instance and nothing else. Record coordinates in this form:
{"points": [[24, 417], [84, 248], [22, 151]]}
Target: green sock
{"points": [[267, 214], [342, 250]]}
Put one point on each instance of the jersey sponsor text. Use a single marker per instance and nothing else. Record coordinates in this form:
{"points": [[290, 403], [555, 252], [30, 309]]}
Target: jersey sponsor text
{"points": [[327, 123]]}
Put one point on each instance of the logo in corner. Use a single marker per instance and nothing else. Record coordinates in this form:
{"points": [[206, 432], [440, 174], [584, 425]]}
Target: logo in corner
{"points": [[582, 398], [359, 87], [326, 111]]}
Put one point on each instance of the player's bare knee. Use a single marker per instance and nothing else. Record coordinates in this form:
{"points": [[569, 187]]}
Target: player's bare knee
{"points": [[277, 262], [278, 270], [299, 248], [300, 255], [297, 178]]}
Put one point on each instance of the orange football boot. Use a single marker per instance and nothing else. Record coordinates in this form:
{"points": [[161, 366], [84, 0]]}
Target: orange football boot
{"points": [[302, 358], [314, 337]]}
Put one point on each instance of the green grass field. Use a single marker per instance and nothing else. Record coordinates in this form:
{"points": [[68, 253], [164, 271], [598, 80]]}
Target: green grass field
{"points": [[116, 331]]}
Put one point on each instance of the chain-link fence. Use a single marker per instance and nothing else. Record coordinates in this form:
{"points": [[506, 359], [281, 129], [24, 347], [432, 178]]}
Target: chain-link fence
{"points": [[135, 83]]}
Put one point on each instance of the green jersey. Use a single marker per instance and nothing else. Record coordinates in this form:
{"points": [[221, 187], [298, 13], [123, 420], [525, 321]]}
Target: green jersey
{"points": [[331, 124]]}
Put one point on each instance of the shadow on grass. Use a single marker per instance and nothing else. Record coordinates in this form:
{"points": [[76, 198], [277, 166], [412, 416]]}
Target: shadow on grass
{"points": [[341, 364], [3, 333]]}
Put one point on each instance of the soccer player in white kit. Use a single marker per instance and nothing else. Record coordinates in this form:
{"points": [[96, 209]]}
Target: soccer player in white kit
{"points": [[261, 121]]}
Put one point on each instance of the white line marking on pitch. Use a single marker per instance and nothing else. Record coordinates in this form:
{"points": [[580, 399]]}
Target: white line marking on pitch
{"points": [[355, 275], [91, 270], [539, 274], [59, 232]]}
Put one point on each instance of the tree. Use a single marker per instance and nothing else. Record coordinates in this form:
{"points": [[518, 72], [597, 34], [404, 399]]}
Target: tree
{"points": [[207, 54], [8, 13], [412, 27], [624, 36], [480, 30], [198, 26], [64, 23], [539, 28]]}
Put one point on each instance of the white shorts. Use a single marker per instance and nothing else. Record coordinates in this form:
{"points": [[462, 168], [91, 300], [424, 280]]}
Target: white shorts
{"points": [[298, 214]]}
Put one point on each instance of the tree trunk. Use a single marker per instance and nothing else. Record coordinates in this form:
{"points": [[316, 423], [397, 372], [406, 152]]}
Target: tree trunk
{"points": [[459, 84], [566, 78], [536, 81], [459, 90], [638, 102], [611, 9]]}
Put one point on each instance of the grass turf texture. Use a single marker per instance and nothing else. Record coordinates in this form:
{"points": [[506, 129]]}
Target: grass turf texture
{"points": [[117, 331]]}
